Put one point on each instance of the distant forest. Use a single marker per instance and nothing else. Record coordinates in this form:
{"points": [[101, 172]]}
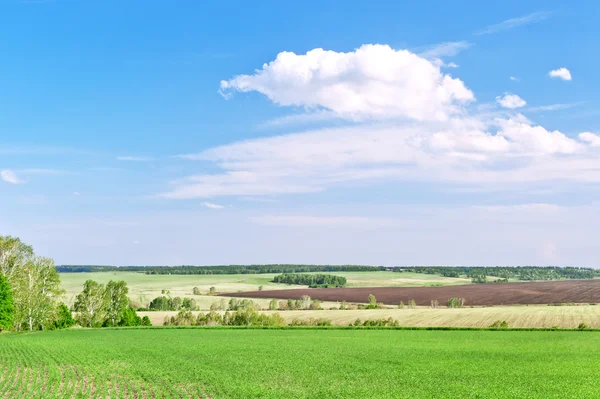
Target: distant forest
{"points": [[523, 273], [230, 269]]}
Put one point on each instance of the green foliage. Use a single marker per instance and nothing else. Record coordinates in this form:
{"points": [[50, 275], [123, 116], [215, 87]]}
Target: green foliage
{"points": [[316, 322], [91, 305], [273, 304], [456, 302], [389, 322], [146, 322], [479, 279], [242, 317], [164, 303], [129, 318], [243, 304], [196, 291], [312, 280], [116, 301], [64, 317], [7, 306], [230, 269], [583, 326], [412, 304]]}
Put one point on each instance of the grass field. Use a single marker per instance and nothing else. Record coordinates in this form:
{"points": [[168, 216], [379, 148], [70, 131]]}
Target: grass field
{"points": [[296, 363], [516, 316], [143, 288]]}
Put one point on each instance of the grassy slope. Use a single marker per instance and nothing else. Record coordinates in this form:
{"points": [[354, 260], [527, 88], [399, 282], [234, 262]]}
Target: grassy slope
{"points": [[516, 316], [301, 364]]}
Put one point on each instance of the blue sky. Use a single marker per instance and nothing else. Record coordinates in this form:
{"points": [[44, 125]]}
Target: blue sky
{"points": [[317, 132]]}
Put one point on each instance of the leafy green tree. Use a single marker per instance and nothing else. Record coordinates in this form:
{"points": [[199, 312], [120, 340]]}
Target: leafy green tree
{"points": [[91, 304], [7, 306], [13, 254], [116, 301], [146, 322], [189, 304], [36, 290], [64, 317]]}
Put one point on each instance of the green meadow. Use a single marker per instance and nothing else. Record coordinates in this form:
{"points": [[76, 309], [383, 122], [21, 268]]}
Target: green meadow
{"points": [[299, 363]]}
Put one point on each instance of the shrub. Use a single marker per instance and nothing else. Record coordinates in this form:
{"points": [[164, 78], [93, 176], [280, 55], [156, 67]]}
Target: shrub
{"points": [[146, 322], [315, 305], [64, 317], [196, 291], [212, 291], [499, 324], [401, 305], [320, 322], [129, 318], [273, 304], [434, 303], [456, 302], [412, 304], [583, 326], [243, 304]]}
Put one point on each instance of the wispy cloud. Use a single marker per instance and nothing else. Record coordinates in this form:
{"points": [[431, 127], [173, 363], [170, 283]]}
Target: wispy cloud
{"points": [[446, 49], [210, 205], [134, 158], [11, 177], [552, 107], [515, 22]]}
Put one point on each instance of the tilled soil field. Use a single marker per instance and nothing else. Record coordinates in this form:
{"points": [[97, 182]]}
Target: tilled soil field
{"points": [[543, 292]]}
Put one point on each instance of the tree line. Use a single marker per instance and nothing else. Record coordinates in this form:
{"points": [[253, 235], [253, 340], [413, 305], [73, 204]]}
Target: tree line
{"points": [[522, 273], [227, 269], [312, 280]]}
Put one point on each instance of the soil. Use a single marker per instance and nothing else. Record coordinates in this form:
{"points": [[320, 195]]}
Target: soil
{"points": [[523, 293]]}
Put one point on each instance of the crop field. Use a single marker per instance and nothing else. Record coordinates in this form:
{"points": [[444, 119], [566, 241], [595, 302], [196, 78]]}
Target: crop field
{"points": [[544, 292], [516, 316], [299, 363], [145, 287]]}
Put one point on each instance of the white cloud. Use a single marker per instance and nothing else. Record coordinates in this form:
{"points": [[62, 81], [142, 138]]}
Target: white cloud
{"points": [[212, 206], [374, 82], [514, 23], [561, 73], [511, 101], [134, 158], [442, 143], [323, 221], [451, 65], [535, 140], [76, 193], [515, 79], [11, 177], [590, 138]]}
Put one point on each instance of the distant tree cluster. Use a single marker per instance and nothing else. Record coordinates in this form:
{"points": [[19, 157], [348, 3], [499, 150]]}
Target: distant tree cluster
{"points": [[312, 280], [163, 303], [479, 274], [246, 317]]}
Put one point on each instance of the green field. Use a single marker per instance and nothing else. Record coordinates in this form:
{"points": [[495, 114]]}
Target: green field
{"points": [[299, 363]]}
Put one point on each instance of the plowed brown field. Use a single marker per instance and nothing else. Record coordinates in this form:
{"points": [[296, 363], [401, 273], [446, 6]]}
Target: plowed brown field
{"points": [[544, 292]]}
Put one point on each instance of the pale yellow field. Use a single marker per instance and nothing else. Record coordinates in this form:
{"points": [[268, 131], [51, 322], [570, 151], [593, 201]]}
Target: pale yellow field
{"points": [[516, 316]]}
